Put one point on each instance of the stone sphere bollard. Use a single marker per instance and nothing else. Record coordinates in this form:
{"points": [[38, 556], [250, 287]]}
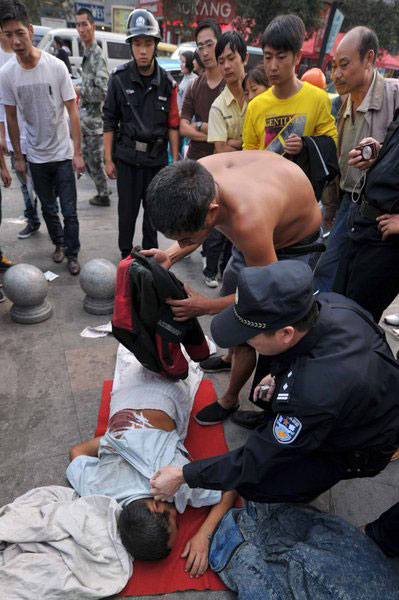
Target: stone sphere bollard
{"points": [[98, 279], [26, 286]]}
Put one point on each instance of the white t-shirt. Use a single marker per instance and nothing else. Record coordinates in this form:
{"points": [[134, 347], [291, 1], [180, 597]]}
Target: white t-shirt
{"points": [[40, 93], [5, 57]]}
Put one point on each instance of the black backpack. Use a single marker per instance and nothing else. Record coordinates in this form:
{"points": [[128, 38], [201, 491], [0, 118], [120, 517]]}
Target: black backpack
{"points": [[144, 324]]}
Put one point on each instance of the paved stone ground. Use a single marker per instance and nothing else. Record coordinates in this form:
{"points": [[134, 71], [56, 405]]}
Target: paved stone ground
{"points": [[52, 378]]}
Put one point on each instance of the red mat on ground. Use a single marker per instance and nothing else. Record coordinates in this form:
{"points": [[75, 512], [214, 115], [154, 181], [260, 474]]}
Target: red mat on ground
{"points": [[168, 576]]}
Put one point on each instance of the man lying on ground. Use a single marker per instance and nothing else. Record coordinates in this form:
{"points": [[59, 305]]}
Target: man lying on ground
{"points": [[261, 202], [148, 422]]}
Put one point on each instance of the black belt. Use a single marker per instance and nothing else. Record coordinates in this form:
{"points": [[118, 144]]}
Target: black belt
{"points": [[368, 211], [305, 246]]}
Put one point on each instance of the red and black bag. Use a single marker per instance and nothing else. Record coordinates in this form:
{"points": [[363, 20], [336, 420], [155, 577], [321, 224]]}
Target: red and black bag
{"points": [[144, 323]]}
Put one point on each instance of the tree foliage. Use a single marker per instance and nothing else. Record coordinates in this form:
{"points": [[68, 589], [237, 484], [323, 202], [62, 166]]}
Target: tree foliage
{"points": [[254, 15], [180, 16], [48, 8], [381, 16]]}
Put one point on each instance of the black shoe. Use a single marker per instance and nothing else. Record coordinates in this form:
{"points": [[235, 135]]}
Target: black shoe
{"points": [[250, 419], [28, 231], [215, 364], [213, 414], [100, 201]]}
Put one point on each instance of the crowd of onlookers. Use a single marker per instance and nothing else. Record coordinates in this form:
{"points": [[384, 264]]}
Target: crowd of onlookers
{"points": [[213, 110], [128, 126]]}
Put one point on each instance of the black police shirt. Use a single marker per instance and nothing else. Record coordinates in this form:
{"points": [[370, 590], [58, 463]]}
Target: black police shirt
{"points": [[336, 391]]}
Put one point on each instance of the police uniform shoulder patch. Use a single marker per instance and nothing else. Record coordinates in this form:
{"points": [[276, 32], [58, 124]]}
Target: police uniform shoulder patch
{"points": [[286, 429]]}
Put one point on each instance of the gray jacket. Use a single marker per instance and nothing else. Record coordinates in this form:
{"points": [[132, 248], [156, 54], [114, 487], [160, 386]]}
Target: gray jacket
{"points": [[383, 102]]}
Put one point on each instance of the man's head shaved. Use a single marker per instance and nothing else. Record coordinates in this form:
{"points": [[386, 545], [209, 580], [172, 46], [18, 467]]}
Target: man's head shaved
{"points": [[363, 39]]}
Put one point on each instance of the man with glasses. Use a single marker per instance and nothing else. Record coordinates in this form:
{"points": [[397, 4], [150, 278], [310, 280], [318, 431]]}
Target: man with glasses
{"points": [[194, 126]]}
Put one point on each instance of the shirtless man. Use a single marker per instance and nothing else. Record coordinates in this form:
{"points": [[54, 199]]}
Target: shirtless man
{"points": [[262, 202]]}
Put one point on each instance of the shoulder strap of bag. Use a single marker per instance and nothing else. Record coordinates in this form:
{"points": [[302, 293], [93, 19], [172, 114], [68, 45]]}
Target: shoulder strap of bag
{"points": [[128, 100]]}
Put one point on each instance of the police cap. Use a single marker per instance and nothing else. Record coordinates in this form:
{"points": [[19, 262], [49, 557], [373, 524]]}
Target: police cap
{"points": [[142, 22], [267, 298]]}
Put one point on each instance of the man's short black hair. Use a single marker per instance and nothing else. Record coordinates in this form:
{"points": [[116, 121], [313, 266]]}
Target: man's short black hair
{"points": [[179, 196], [209, 24], [58, 40], [285, 32], [144, 534], [188, 55], [236, 42], [87, 12], [13, 10], [368, 41]]}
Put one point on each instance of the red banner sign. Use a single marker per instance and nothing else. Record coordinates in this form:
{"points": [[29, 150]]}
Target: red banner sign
{"points": [[222, 11]]}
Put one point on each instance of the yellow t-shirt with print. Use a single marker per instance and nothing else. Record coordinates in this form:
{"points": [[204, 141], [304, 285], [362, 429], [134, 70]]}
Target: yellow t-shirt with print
{"points": [[270, 120]]}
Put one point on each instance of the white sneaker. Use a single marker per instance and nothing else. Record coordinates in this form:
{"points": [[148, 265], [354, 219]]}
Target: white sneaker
{"points": [[211, 282]]}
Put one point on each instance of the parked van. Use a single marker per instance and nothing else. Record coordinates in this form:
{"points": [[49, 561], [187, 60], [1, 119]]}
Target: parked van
{"points": [[39, 31], [114, 47]]}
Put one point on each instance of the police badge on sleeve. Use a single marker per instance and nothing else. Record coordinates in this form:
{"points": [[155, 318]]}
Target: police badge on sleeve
{"points": [[286, 429]]}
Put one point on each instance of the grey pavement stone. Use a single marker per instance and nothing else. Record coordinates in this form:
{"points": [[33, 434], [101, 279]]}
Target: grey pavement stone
{"points": [[87, 404], [363, 500]]}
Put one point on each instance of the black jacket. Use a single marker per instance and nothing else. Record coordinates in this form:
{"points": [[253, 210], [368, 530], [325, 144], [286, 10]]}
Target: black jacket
{"points": [[318, 159], [340, 383], [144, 323], [381, 191], [151, 103]]}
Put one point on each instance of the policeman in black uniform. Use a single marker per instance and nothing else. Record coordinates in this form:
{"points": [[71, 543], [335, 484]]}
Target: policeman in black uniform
{"points": [[333, 410], [140, 116]]}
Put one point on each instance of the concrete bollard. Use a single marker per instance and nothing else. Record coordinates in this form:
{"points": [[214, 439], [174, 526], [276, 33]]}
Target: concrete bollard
{"points": [[26, 286], [98, 279]]}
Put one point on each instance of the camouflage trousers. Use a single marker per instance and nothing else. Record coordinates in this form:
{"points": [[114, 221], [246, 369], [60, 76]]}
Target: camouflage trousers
{"points": [[93, 156]]}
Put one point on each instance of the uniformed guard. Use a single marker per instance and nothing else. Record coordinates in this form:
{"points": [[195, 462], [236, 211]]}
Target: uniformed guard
{"points": [[140, 115], [91, 97], [333, 408]]}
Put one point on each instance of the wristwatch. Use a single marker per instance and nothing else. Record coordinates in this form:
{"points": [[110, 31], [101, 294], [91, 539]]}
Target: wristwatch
{"points": [[199, 125]]}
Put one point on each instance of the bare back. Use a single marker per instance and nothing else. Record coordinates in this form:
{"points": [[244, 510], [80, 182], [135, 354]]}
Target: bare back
{"points": [[266, 202]]}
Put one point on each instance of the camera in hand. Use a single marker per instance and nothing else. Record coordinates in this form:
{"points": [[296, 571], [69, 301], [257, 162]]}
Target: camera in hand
{"points": [[368, 151], [263, 391]]}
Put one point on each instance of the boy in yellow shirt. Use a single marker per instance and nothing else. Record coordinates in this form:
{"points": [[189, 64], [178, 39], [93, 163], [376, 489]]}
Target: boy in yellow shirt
{"points": [[277, 119]]}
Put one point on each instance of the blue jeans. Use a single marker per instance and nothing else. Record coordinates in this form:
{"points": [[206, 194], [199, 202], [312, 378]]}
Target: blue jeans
{"points": [[327, 266], [28, 193], [279, 551], [49, 179]]}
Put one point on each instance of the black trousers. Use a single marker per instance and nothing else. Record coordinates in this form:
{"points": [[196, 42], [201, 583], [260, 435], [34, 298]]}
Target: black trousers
{"points": [[216, 248], [132, 183], [369, 275], [304, 479], [385, 531]]}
